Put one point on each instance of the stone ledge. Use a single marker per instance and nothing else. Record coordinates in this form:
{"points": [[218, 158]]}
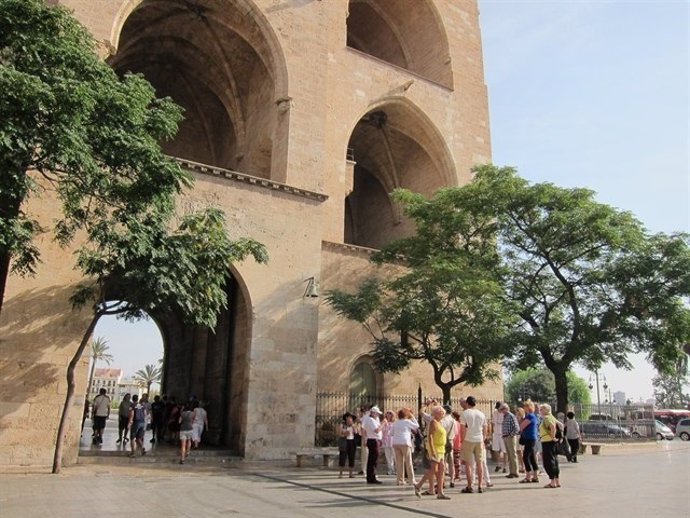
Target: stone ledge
{"points": [[344, 247], [253, 180]]}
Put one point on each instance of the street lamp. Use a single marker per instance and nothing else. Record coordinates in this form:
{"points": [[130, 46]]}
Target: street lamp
{"points": [[605, 386]]}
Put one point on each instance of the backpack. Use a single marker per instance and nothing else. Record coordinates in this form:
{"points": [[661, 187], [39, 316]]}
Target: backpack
{"points": [[559, 431], [139, 413]]}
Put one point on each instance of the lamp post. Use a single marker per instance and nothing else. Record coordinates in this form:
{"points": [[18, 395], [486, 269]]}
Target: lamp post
{"points": [[605, 386]]}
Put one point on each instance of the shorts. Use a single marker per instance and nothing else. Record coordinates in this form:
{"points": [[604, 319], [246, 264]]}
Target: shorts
{"points": [[99, 422], [138, 430], [497, 443], [436, 459], [472, 451], [185, 435]]}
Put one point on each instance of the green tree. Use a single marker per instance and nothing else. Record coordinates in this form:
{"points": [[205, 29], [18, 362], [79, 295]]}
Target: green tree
{"points": [[444, 307], [69, 126], [147, 376], [99, 351], [182, 271], [540, 385], [589, 283], [671, 387]]}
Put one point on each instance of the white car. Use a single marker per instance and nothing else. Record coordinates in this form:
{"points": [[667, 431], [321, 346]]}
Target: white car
{"points": [[663, 431], [683, 429]]}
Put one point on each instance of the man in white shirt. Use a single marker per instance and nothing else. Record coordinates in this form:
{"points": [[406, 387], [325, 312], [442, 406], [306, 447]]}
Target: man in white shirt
{"points": [[473, 432], [100, 413], [372, 427], [497, 443]]}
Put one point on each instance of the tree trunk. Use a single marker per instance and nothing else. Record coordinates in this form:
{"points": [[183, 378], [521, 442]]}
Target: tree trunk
{"points": [[561, 389], [9, 211], [69, 398], [93, 368], [445, 390]]}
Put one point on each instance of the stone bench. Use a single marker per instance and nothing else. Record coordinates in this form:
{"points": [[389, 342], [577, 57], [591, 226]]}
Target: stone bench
{"points": [[595, 447], [324, 453]]}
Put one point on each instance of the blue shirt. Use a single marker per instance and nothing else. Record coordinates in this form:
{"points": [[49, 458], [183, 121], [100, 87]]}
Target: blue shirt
{"points": [[531, 432]]}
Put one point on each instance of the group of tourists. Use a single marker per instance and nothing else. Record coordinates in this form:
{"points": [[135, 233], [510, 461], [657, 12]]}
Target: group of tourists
{"points": [[167, 420], [453, 444]]}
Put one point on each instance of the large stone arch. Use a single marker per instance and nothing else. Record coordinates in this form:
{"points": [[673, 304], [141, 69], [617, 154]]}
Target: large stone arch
{"points": [[221, 61], [406, 33], [394, 145]]}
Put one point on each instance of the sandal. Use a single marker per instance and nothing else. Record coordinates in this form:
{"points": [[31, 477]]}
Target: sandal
{"points": [[467, 490], [525, 481], [425, 493], [535, 480], [549, 486], [443, 496], [480, 490], [416, 492]]}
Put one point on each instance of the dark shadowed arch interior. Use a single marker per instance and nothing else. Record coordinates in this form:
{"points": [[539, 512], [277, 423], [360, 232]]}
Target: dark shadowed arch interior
{"points": [[406, 33], [211, 58], [393, 148]]}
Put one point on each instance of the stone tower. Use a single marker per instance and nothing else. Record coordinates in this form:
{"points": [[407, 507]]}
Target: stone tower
{"points": [[300, 117]]}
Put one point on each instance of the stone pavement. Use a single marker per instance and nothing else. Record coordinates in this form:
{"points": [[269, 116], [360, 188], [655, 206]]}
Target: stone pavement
{"points": [[637, 481]]}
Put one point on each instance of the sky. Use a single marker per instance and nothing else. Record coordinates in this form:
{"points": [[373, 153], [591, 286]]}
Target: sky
{"points": [[597, 95], [591, 94]]}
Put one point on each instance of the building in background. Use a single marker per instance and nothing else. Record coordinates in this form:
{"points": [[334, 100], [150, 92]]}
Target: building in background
{"points": [[109, 379]]}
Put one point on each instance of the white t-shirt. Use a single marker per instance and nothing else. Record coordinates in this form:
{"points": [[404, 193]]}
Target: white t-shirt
{"points": [[101, 406], [402, 431], [475, 421], [370, 425]]}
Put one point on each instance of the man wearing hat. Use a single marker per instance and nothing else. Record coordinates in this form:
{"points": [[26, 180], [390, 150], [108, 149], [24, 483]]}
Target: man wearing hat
{"points": [[372, 426]]}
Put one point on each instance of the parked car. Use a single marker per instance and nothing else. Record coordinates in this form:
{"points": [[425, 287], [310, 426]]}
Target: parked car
{"points": [[683, 429], [649, 428], [603, 429]]}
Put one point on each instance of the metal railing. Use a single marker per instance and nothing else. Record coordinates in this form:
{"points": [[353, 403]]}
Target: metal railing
{"points": [[330, 408]]}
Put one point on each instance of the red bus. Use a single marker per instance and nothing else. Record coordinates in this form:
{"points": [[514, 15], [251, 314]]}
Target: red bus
{"points": [[670, 417]]}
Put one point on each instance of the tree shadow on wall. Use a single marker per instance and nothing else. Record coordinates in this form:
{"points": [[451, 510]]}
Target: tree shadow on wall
{"points": [[39, 333]]}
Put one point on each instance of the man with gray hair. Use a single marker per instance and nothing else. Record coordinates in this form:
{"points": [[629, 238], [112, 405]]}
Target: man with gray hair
{"points": [[510, 431]]}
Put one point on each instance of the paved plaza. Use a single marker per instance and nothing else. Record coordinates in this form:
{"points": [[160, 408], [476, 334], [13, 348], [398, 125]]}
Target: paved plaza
{"points": [[636, 481]]}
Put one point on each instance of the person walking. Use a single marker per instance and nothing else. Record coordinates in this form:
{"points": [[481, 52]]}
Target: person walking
{"points": [[199, 423], [157, 419], [573, 436], [186, 427], [509, 433], [137, 426], [435, 451], [100, 411], [123, 419], [548, 432], [473, 429]]}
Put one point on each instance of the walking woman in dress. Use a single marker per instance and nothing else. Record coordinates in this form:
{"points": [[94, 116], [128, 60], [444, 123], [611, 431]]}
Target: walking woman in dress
{"points": [[435, 452]]}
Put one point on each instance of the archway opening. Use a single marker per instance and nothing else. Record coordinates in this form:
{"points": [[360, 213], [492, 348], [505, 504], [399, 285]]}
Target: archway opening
{"points": [[408, 36], [393, 147], [211, 58]]}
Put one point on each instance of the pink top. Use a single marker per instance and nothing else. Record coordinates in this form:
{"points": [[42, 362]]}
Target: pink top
{"points": [[387, 441]]}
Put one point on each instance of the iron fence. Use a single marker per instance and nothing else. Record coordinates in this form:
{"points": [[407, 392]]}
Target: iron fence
{"points": [[612, 422], [330, 408]]}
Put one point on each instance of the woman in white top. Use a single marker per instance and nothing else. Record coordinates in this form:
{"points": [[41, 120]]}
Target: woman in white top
{"points": [[403, 445], [346, 444], [199, 422]]}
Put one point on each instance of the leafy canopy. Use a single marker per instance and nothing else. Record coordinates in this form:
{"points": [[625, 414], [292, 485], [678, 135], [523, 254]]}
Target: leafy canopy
{"points": [[589, 283], [71, 126], [445, 305]]}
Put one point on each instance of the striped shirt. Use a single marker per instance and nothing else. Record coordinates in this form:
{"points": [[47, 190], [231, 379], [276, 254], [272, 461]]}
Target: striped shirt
{"points": [[510, 425]]}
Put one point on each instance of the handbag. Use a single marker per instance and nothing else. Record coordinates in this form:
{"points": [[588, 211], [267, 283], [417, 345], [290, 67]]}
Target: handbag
{"points": [[521, 441]]}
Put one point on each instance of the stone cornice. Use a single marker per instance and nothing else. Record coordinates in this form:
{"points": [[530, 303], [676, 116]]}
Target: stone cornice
{"points": [[248, 179], [358, 250]]}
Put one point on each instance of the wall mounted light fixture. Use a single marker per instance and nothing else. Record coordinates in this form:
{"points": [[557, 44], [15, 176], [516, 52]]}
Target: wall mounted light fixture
{"points": [[312, 289]]}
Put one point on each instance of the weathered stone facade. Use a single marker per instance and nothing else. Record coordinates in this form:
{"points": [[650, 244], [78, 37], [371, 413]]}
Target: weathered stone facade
{"points": [[300, 116]]}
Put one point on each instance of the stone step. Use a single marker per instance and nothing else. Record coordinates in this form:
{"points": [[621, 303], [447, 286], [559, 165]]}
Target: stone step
{"points": [[171, 457]]}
